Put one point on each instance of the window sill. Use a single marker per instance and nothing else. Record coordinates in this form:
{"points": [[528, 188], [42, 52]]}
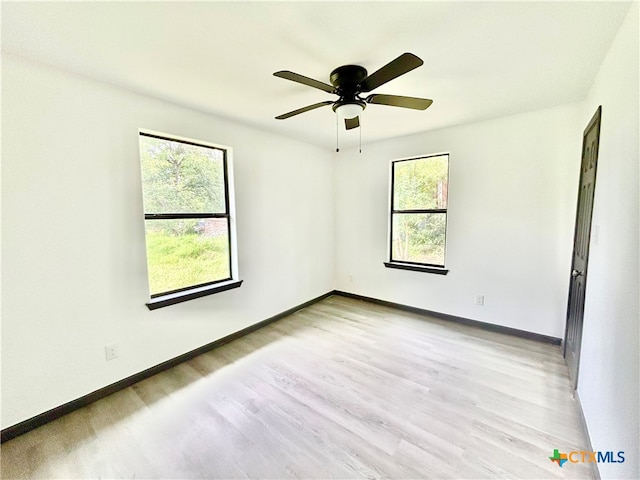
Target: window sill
{"points": [[417, 268], [179, 297]]}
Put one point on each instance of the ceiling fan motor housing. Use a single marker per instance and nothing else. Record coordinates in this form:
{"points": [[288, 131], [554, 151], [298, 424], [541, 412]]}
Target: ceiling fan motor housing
{"points": [[347, 78]]}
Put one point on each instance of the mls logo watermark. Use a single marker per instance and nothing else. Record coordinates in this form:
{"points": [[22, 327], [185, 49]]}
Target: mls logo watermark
{"points": [[586, 457]]}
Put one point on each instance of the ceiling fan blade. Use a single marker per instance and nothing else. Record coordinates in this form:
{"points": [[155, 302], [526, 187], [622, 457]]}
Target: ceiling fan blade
{"points": [[303, 109], [401, 65], [399, 101], [351, 123], [296, 77]]}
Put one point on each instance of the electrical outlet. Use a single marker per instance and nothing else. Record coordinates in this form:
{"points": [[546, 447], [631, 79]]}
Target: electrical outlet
{"points": [[480, 300], [111, 351]]}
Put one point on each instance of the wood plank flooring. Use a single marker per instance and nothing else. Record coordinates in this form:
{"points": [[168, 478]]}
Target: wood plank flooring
{"points": [[342, 389]]}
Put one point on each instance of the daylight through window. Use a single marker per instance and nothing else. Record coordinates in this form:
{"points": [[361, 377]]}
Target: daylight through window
{"points": [[419, 210], [186, 211]]}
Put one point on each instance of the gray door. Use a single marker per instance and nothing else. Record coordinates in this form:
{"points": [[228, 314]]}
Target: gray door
{"points": [[582, 234]]}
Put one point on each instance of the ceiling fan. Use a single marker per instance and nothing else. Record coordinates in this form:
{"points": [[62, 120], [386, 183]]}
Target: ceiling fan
{"points": [[350, 81]]}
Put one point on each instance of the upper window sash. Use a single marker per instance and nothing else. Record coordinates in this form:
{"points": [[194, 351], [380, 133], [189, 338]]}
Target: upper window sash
{"points": [[416, 203], [172, 201]]}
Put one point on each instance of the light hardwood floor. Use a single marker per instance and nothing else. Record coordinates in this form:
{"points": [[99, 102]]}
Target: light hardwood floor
{"points": [[342, 389]]}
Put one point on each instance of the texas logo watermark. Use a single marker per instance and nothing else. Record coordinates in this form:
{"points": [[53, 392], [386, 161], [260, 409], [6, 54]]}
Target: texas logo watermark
{"points": [[586, 457]]}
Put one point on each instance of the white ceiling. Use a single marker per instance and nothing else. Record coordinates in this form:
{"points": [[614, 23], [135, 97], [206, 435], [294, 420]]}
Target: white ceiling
{"points": [[481, 59]]}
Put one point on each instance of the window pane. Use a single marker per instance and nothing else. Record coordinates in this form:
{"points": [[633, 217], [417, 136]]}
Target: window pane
{"points": [[186, 252], [419, 237], [420, 183], [180, 178]]}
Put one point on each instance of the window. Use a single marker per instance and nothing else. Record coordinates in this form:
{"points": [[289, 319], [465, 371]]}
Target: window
{"points": [[418, 222], [187, 214]]}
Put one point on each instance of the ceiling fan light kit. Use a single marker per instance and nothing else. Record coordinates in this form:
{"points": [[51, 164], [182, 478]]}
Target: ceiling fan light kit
{"points": [[350, 81], [348, 110]]}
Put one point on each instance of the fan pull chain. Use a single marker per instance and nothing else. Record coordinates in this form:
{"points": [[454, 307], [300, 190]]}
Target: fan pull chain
{"points": [[337, 130], [360, 129]]}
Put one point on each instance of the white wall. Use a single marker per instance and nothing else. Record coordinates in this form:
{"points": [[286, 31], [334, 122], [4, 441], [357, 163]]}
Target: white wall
{"points": [[608, 383], [512, 194], [74, 270]]}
